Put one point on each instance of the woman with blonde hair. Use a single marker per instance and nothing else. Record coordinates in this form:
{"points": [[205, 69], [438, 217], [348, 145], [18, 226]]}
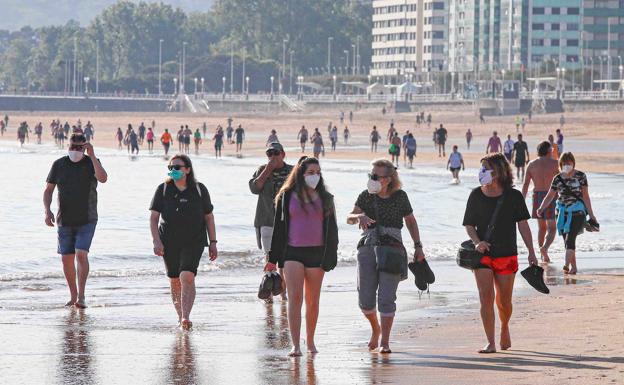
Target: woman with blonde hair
{"points": [[305, 244], [496, 270], [380, 212]]}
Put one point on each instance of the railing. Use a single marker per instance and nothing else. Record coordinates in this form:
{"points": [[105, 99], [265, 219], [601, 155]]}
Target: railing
{"points": [[573, 95], [115, 95]]}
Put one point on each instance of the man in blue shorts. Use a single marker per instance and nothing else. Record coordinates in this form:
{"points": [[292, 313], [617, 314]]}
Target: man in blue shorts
{"points": [[76, 176]]}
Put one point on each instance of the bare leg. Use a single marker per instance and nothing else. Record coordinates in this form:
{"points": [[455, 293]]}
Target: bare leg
{"points": [[187, 281], [386, 328], [504, 290], [295, 275], [313, 283], [375, 330], [69, 269], [551, 233], [284, 295], [485, 284], [176, 293], [571, 258], [82, 263]]}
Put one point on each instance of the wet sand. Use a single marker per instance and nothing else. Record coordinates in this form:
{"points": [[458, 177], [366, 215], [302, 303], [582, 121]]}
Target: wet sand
{"points": [[596, 138]]}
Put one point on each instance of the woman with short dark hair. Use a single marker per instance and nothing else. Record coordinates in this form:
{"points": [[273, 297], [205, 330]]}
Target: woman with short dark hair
{"points": [[184, 209], [496, 272]]}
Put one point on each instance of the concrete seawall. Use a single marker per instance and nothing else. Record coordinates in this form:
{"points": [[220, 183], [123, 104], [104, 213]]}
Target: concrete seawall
{"points": [[56, 103]]}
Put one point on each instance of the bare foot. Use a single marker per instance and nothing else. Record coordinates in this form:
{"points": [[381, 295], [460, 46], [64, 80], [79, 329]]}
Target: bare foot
{"points": [[572, 271], [81, 304], [385, 350], [505, 339], [295, 352], [544, 254], [186, 324], [374, 340], [312, 348], [487, 349], [71, 302]]}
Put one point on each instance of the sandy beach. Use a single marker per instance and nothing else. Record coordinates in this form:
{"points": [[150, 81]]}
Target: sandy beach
{"points": [[127, 335]]}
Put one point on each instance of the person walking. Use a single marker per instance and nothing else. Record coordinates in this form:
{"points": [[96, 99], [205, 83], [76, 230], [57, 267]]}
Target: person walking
{"points": [[455, 163], [239, 133], [560, 139], [508, 148], [266, 182], [494, 144], [272, 138], [133, 140], [302, 136], [141, 132], [197, 139], [573, 206], [150, 139], [182, 224], [305, 244], [318, 147], [404, 147], [180, 138], [346, 134], [333, 137], [187, 139], [374, 139], [218, 141], [541, 172], [496, 271], [380, 212], [410, 149], [395, 149], [520, 156], [468, 138], [165, 140], [119, 136], [22, 133], [554, 148], [76, 177], [441, 135]]}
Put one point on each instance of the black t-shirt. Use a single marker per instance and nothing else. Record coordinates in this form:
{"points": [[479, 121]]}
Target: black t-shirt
{"points": [[521, 149], [182, 213], [77, 194], [391, 210], [479, 210], [441, 134]]}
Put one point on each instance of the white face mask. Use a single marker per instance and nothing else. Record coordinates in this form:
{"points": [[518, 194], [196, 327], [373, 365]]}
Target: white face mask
{"points": [[312, 180], [567, 168], [373, 186], [485, 176], [75, 156]]}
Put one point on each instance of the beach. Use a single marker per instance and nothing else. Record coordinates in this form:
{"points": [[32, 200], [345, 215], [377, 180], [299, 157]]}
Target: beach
{"points": [[128, 333]]}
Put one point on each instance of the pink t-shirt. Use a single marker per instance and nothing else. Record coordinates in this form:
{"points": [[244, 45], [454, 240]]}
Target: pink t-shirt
{"points": [[150, 135], [305, 228], [495, 144]]}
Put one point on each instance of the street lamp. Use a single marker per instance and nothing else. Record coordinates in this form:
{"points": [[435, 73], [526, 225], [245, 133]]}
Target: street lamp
{"points": [[160, 66], [346, 51], [195, 80], [563, 71], [247, 85], [86, 80], [223, 89], [175, 86], [334, 80], [591, 74], [272, 79], [558, 70], [353, 59], [329, 41], [202, 86]]}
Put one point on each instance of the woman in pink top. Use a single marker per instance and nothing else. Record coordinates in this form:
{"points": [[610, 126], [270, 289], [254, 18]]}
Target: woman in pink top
{"points": [[150, 139], [304, 243]]}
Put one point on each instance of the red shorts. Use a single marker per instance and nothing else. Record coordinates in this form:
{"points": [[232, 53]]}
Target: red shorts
{"points": [[500, 265]]}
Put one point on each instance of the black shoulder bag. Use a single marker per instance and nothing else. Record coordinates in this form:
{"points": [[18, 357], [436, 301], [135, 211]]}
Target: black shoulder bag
{"points": [[467, 256], [390, 254]]}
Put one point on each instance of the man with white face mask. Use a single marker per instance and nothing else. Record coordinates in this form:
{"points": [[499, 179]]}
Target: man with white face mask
{"points": [[76, 176]]}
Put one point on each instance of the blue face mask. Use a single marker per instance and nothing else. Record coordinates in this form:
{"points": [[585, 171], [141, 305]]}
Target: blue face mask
{"points": [[176, 174]]}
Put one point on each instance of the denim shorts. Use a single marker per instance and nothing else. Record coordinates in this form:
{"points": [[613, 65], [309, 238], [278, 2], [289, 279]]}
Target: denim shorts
{"points": [[71, 238]]}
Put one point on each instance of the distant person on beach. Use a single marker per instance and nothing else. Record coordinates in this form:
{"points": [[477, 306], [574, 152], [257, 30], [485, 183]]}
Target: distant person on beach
{"points": [[133, 140], [518, 122], [481, 118], [187, 139], [561, 122], [559, 141], [494, 144], [197, 140], [468, 138], [530, 115], [350, 116], [342, 117], [305, 244], [218, 141], [391, 132], [403, 147], [508, 148], [22, 133], [410, 149], [541, 172], [374, 139], [6, 121], [302, 136], [380, 212], [573, 206], [182, 224], [229, 131], [455, 163], [76, 176], [118, 135], [141, 133], [204, 129], [39, 132], [165, 140], [442, 135], [346, 134], [2, 127], [395, 149], [554, 148], [88, 131], [272, 138], [180, 138], [520, 156], [318, 147], [333, 138], [497, 270], [150, 139], [429, 120], [523, 123], [266, 182], [240, 137]]}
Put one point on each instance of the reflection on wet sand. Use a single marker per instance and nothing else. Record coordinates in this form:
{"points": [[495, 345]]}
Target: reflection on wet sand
{"points": [[309, 377], [276, 333], [76, 360], [555, 276], [182, 368]]}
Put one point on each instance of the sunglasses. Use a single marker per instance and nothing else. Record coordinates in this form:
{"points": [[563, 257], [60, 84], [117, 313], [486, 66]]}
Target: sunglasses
{"points": [[376, 177], [175, 167], [273, 152]]}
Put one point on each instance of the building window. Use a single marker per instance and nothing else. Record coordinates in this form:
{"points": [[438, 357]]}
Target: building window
{"points": [[572, 27], [438, 5], [555, 26], [572, 43], [538, 26], [438, 34], [537, 42], [555, 11], [573, 11], [537, 58], [554, 42], [538, 10]]}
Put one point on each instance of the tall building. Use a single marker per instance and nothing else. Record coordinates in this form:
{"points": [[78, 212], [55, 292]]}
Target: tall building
{"points": [[409, 37], [602, 35]]}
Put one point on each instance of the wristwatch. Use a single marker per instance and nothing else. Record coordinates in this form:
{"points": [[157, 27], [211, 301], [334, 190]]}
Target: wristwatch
{"points": [[213, 241], [418, 244]]}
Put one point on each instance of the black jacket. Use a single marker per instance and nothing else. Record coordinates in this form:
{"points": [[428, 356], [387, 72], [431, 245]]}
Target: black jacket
{"points": [[279, 242]]}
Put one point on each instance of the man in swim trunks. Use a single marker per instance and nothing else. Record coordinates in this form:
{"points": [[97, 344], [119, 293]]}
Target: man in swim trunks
{"points": [[541, 172], [521, 152]]}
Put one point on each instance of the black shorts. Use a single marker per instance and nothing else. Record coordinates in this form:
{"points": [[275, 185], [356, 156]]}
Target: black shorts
{"points": [[308, 256], [520, 163], [453, 169], [180, 258]]}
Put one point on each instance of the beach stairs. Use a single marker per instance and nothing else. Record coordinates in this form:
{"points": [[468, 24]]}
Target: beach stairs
{"points": [[188, 104], [292, 105]]}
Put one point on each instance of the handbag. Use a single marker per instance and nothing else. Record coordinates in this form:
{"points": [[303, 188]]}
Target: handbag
{"points": [[467, 256], [391, 257]]}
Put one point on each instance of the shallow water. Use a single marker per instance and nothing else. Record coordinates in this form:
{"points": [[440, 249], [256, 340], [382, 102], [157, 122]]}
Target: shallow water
{"points": [[128, 332]]}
